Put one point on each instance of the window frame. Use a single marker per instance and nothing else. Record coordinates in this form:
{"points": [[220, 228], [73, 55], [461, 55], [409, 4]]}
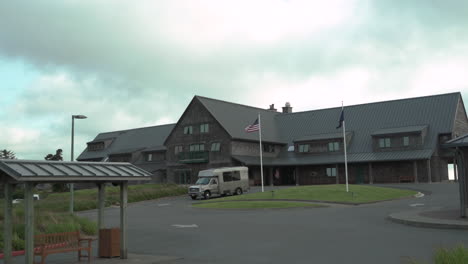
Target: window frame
{"points": [[406, 141], [204, 128], [188, 130], [385, 142], [215, 147], [331, 172], [303, 148]]}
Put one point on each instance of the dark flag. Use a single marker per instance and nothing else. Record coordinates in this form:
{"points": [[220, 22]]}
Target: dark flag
{"points": [[341, 119]]}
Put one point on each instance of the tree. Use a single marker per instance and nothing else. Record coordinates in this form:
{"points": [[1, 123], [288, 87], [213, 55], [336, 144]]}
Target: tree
{"points": [[57, 187], [7, 154]]}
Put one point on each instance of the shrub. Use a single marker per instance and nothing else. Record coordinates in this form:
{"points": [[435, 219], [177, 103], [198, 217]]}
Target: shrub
{"points": [[457, 255]]}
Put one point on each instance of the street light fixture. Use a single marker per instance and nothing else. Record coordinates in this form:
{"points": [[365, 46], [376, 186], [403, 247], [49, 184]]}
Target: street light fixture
{"points": [[72, 195]]}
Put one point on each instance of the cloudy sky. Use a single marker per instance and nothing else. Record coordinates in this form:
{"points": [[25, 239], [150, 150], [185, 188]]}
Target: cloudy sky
{"points": [[128, 64]]}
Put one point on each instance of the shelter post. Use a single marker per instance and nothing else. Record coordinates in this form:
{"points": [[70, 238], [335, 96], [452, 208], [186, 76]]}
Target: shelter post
{"points": [[123, 219], [8, 223], [415, 171], [429, 176], [371, 176], [101, 204], [29, 223]]}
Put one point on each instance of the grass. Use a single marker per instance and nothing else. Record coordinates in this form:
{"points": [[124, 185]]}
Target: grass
{"points": [[51, 212], [457, 255], [329, 193], [253, 205]]}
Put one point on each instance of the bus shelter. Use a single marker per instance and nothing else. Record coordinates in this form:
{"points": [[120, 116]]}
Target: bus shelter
{"points": [[460, 146], [31, 173]]}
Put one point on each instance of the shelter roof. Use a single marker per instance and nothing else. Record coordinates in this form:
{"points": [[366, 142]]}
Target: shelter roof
{"points": [[59, 171]]}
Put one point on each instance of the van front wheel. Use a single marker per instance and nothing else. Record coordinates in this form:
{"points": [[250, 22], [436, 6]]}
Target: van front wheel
{"points": [[207, 195], [238, 191]]}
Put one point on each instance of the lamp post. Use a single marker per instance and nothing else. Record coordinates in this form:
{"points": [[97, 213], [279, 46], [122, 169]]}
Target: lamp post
{"points": [[72, 195]]}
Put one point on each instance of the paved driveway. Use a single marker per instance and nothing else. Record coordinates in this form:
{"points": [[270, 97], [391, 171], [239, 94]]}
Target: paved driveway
{"points": [[350, 234]]}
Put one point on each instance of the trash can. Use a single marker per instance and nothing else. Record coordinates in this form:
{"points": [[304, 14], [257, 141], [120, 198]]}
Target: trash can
{"points": [[109, 242]]}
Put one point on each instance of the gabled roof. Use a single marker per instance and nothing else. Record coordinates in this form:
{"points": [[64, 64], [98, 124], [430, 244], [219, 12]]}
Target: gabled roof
{"points": [[235, 117], [53, 171], [461, 141], [129, 141]]}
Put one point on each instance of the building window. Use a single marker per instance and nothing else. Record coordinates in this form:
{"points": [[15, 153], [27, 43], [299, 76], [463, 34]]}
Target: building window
{"points": [[95, 146], [331, 172], [178, 149], [216, 146], [268, 148], [333, 146], [204, 128], [197, 147], [227, 176], [405, 141], [291, 148], [149, 157], [384, 142], [188, 130], [304, 148]]}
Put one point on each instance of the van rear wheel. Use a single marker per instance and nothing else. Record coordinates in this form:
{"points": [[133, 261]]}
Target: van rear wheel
{"points": [[207, 195], [238, 191]]}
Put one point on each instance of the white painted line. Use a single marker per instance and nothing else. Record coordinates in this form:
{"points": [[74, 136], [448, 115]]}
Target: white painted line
{"points": [[416, 204], [166, 204], [186, 226], [419, 195]]}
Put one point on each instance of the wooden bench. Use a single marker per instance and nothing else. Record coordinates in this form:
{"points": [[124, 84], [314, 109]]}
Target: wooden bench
{"points": [[47, 244]]}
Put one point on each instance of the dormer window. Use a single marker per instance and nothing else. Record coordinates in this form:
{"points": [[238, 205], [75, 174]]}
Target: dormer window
{"points": [[95, 146], [384, 143], [149, 157], [304, 148], [405, 141], [333, 146]]}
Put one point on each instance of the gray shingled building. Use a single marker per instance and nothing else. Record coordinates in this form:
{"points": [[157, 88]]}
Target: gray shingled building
{"points": [[391, 141]]}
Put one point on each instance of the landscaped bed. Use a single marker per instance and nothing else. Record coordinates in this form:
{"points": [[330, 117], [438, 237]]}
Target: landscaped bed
{"points": [[254, 205], [52, 210], [328, 193]]}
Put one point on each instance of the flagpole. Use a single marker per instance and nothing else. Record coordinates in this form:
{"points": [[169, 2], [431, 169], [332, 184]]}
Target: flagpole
{"points": [[344, 146], [261, 158]]}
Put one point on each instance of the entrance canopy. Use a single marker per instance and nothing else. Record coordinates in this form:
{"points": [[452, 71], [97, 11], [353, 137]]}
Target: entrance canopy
{"points": [[32, 172]]}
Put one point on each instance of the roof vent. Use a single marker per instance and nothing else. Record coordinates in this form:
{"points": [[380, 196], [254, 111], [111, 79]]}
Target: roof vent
{"points": [[287, 108]]}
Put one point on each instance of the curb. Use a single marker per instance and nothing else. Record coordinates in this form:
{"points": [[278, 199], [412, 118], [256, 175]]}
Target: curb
{"points": [[426, 223]]}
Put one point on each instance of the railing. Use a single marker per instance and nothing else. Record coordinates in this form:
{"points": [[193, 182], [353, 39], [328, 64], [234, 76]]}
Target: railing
{"points": [[193, 157]]}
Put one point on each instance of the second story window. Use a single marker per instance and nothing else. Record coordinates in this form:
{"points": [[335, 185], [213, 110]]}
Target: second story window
{"points": [[405, 141], [333, 146], [178, 149], [149, 157], [197, 147], [384, 142], [95, 146], [268, 148], [188, 130], [304, 148], [216, 146], [204, 128]]}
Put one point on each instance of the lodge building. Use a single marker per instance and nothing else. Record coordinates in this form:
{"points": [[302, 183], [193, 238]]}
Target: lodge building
{"points": [[387, 142]]}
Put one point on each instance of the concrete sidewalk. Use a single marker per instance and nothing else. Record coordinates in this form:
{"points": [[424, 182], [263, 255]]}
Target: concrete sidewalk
{"points": [[431, 218], [70, 258]]}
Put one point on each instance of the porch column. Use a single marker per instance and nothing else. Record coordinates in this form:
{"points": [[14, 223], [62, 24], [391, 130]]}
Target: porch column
{"points": [[371, 176], [296, 172], [29, 223], [429, 177], [337, 175], [271, 176], [123, 219], [101, 204], [415, 171], [455, 170], [8, 223]]}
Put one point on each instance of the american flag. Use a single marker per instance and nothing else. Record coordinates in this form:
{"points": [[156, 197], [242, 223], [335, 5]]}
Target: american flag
{"points": [[253, 127]]}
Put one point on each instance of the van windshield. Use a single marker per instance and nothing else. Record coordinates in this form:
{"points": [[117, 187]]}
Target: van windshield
{"points": [[203, 181]]}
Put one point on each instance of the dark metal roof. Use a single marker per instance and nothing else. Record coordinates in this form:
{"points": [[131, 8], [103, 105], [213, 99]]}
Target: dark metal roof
{"points": [[313, 159], [53, 171], [323, 136], [129, 141], [398, 130]]}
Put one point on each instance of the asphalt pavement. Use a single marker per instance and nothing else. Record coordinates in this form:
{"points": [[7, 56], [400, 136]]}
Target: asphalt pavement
{"points": [[170, 230]]}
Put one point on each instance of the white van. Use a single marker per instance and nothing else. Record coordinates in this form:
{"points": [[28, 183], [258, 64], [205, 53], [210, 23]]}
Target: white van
{"points": [[220, 181]]}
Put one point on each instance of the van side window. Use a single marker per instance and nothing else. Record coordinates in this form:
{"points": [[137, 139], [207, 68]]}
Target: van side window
{"points": [[227, 176], [236, 175]]}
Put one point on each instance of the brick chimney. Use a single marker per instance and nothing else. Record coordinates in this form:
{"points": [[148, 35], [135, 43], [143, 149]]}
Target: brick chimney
{"points": [[272, 108], [287, 108]]}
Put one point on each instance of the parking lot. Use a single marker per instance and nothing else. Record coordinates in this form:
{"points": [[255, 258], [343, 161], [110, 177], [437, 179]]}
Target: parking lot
{"points": [[336, 234]]}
